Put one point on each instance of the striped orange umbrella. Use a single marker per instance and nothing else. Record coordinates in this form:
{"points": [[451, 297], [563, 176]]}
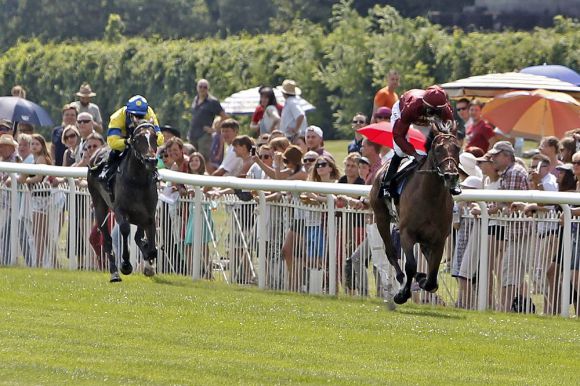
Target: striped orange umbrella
{"points": [[533, 114]]}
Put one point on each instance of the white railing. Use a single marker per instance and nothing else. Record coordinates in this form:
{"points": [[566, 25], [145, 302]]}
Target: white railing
{"points": [[287, 243]]}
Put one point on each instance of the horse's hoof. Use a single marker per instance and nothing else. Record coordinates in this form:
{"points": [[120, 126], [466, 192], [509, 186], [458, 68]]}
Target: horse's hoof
{"points": [[149, 269], [126, 268], [390, 304], [432, 288], [115, 278], [420, 276], [401, 298]]}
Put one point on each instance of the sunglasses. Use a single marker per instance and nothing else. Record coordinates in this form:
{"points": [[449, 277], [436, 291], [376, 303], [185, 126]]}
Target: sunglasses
{"points": [[536, 166], [576, 163], [91, 147], [321, 165], [84, 121], [358, 122], [264, 156], [70, 136], [308, 160]]}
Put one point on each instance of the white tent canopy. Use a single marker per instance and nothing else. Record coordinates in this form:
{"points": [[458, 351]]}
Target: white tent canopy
{"points": [[246, 101], [490, 85]]}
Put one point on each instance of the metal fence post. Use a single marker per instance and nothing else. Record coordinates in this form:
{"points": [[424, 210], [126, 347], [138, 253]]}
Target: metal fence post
{"points": [[331, 236], [14, 213], [197, 232], [483, 259], [72, 224], [262, 236], [566, 260]]}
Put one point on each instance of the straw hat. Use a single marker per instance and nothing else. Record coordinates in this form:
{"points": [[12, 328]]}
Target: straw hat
{"points": [[85, 91], [7, 139], [289, 87]]}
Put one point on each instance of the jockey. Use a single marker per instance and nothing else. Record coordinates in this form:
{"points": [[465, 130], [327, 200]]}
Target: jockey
{"points": [[121, 126], [416, 107]]}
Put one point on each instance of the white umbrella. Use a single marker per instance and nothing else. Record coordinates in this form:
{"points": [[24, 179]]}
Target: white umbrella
{"points": [[246, 101], [490, 85]]}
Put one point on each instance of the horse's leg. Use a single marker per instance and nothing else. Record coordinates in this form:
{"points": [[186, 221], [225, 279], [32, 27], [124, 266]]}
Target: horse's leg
{"points": [[151, 249], [407, 244], [101, 212], [422, 276], [383, 222], [125, 229], [433, 261]]}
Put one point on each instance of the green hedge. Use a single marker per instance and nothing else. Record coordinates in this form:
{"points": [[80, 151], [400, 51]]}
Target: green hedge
{"points": [[338, 71]]}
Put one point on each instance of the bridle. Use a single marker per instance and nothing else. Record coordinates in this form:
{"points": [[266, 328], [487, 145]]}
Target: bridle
{"points": [[436, 165], [131, 141]]}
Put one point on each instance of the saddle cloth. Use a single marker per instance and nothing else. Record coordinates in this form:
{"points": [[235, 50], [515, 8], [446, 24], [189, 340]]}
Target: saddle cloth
{"points": [[405, 170]]}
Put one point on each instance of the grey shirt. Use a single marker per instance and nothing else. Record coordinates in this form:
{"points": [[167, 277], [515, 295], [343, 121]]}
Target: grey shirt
{"points": [[92, 109], [203, 114]]}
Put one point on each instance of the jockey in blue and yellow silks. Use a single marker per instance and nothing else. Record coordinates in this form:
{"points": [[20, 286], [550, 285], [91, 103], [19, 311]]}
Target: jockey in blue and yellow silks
{"points": [[121, 125]]}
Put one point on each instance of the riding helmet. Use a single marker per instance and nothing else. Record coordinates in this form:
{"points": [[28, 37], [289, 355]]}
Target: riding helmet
{"points": [[137, 105], [435, 97]]}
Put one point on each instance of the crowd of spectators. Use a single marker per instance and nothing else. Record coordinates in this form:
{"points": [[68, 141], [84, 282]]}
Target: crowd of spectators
{"points": [[284, 146]]}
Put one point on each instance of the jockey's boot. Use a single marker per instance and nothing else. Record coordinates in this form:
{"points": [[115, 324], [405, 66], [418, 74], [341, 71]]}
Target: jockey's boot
{"points": [[386, 189], [108, 173]]}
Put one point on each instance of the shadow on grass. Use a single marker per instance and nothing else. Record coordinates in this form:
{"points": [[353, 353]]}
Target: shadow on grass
{"points": [[431, 312]]}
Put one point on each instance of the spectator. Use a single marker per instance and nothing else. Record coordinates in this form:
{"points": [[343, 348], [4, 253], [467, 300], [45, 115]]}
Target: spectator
{"points": [[231, 164], [549, 146], [315, 141], [463, 120], [279, 144], [477, 152], [170, 132], [163, 159], [93, 142], [387, 96], [266, 155], [276, 134], [263, 139], [72, 140], [512, 177], [468, 166], [188, 149], [174, 148], [217, 147], [308, 160], [243, 146], [204, 109], [5, 127], [479, 133], [293, 120], [8, 153], [351, 175], [552, 300], [40, 198], [57, 149], [383, 114], [24, 128], [364, 167], [372, 152], [566, 149], [18, 91], [84, 105], [266, 118], [24, 150], [300, 141], [358, 121], [197, 166], [86, 127]]}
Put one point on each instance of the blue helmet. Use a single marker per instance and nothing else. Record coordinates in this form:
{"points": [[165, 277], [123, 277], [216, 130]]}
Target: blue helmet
{"points": [[137, 105]]}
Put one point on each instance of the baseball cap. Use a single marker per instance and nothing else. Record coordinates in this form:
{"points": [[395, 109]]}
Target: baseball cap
{"points": [[364, 160], [500, 146], [316, 130]]}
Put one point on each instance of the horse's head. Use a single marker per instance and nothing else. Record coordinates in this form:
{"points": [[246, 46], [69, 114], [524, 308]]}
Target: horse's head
{"points": [[444, 154], [144, 144]]}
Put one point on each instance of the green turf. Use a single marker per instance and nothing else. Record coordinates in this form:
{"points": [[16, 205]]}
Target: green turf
{"points": [[60, 327]]}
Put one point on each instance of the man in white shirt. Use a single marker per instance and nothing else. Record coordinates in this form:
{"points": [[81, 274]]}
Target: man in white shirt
{"points": [[293, 120], [231, 164]]}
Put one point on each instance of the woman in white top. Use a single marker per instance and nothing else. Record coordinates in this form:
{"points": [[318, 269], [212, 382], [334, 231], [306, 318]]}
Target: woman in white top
{"points": [[271, 113]]}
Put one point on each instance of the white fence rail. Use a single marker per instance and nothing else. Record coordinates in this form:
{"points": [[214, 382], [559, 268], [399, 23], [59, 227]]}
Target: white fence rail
{"points": [[279, 240]]}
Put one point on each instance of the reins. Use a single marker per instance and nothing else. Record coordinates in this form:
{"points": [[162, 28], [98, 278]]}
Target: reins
{"points": [[437, 169]]}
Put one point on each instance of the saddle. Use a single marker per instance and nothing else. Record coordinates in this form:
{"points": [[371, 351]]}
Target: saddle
{"points": [[398, 183]]}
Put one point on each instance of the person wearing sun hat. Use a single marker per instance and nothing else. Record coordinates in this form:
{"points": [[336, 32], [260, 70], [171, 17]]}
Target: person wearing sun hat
{"points": [[293, 120], [468, 165], [84, 105]]}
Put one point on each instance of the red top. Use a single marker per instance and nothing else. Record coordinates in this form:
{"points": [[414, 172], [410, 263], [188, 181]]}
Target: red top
{"points": [[413, 112], [479, 135]]}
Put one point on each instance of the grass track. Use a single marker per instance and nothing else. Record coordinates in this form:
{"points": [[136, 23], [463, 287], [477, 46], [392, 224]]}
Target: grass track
{"points": [[60, 327]]}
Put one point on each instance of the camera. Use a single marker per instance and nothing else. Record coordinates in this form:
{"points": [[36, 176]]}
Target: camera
{"points": [[253, 151]]}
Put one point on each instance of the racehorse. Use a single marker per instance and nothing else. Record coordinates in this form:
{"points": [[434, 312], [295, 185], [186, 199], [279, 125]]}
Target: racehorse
{"points": [[425, 213], [133, 201]]}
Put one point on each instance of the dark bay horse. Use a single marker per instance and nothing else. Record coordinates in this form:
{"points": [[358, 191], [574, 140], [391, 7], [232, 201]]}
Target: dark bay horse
{"points": [[134, 199], [425, 214]]}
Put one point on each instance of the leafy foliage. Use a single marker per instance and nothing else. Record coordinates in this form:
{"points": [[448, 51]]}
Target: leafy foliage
{"points": [[339, 70]]}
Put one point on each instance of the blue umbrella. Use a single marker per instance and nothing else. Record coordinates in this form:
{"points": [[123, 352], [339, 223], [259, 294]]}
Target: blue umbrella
{"points": [[21, 110], [554, 71]]}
